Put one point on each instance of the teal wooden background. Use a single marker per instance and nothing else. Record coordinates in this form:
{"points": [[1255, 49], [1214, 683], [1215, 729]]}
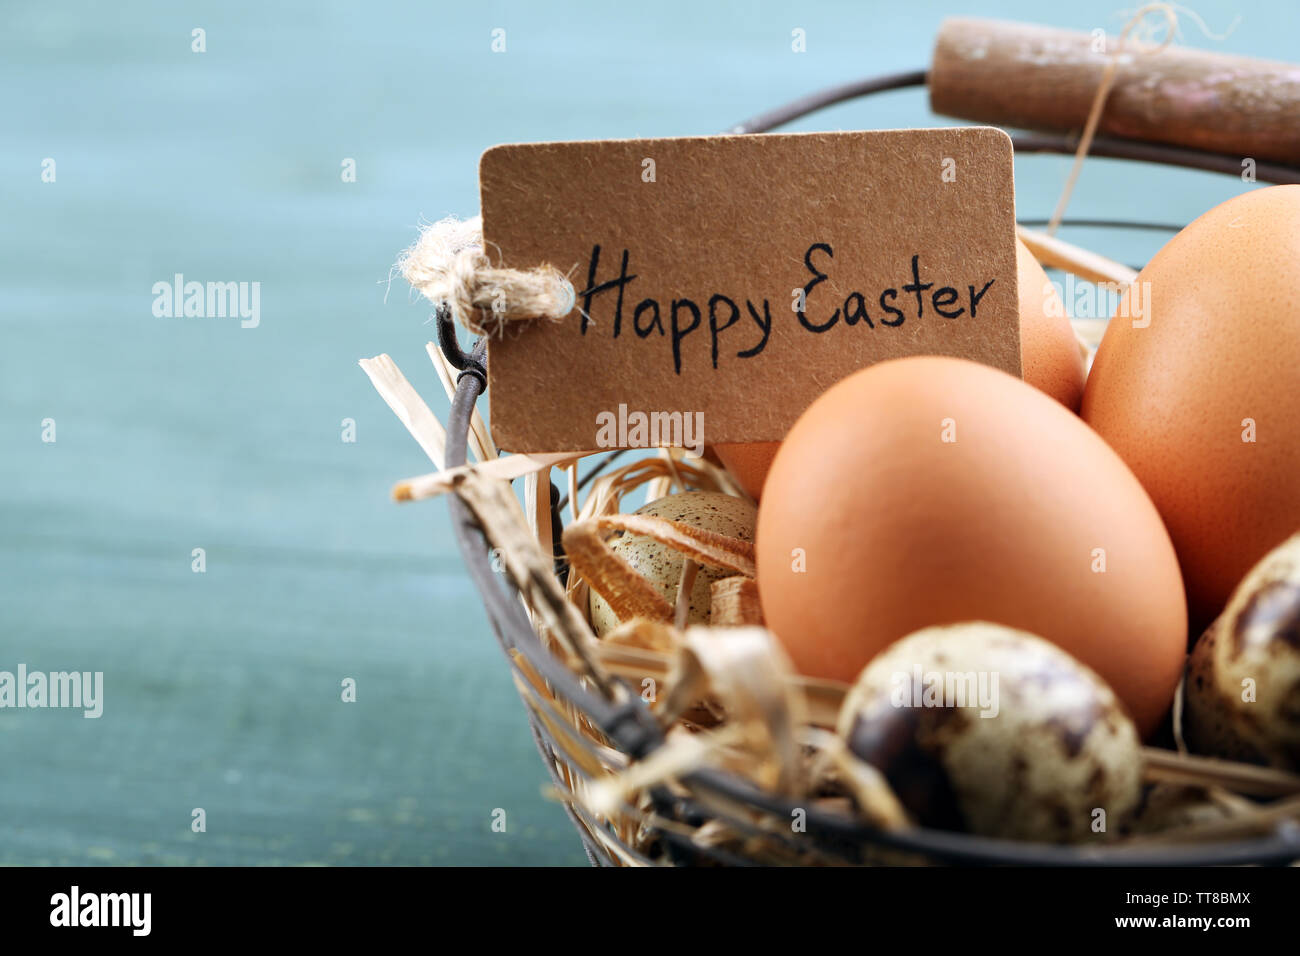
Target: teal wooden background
{"points": [[222, 688]]}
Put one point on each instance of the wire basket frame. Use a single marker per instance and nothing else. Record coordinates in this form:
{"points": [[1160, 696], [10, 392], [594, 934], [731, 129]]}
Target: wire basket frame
{"points": [[709, 794]]}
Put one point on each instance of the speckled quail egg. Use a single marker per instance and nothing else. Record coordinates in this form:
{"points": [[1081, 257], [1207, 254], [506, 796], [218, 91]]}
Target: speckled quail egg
{"points": [[1242, 697], [662, 566], [991, 730]]}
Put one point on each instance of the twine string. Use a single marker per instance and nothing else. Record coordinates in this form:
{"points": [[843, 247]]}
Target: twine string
{"points": [[1108, 74], [448, 265]]}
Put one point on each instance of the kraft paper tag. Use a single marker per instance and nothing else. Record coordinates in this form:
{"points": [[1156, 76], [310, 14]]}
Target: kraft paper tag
{"points": [[733, 279]]}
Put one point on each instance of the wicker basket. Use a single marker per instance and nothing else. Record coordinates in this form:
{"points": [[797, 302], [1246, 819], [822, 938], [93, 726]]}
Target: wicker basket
{"points": [[634, 799]]}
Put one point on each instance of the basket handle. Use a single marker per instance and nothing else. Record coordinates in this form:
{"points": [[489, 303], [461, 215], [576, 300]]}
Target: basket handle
{"points": [[1045, 79]]}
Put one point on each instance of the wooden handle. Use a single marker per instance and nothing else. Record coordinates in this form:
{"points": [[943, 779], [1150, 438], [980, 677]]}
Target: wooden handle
{"points": [[1043, 79]]}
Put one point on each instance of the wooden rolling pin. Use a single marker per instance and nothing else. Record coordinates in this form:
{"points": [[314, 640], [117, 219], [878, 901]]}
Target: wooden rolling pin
{"points": [[1044, 79]]}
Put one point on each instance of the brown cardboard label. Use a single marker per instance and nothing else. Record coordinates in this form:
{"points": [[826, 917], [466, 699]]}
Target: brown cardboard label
{"points": [[733, 279]]}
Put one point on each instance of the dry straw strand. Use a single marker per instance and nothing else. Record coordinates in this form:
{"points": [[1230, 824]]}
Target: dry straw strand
{"points": [[1190, 770], [502, 518], [734, 601], [506, 468], [408, 406]]}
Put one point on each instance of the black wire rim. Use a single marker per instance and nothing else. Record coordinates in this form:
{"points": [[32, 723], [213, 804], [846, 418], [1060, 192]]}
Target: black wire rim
{"points": [[634, 730], [1105, 147]]}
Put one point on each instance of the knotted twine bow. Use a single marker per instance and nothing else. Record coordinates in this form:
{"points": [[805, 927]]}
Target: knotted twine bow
{"points": [[449, 266]]}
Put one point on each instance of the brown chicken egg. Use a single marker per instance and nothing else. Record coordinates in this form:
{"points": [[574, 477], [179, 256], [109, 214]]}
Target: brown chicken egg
{"points": [[928, 490], [1049, 354], [1197, 385], [987, 729], [749, 463]]}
